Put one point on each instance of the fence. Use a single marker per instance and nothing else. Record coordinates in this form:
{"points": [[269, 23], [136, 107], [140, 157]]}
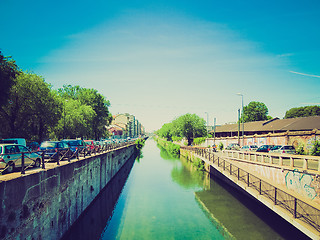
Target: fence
{"points": [[297, 208], [40, 158], [303, 162]]}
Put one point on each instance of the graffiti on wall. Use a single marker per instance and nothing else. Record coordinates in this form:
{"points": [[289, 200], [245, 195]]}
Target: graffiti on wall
{"points": [[302, 183]]}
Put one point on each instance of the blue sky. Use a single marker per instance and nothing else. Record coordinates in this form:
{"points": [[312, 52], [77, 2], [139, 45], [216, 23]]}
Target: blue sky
{"points": [[159, 60]]}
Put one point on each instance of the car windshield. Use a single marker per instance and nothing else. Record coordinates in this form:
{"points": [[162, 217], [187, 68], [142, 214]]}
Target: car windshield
{"points": [[48, 144], [275, 147], [72, 143]]}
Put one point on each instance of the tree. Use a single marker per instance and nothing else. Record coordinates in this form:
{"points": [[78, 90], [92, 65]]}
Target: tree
{"points": [[303, 112], [8, 72], [99, 104], [74, 122], [166, 131], [190, 126], [255, 111], [33, 108]]}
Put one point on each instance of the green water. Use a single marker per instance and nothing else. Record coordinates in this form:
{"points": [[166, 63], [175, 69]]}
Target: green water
{"points": [[167, 198]]}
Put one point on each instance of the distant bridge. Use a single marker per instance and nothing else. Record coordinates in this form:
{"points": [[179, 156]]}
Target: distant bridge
{"points": [[288, 184]]}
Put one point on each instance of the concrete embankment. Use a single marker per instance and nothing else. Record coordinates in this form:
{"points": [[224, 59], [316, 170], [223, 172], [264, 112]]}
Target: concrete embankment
{"points": [[44, 204]]}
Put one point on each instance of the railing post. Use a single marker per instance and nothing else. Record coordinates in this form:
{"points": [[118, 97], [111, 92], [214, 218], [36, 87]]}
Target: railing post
{"points": [[230, 169], [77, 153], [68, 154], [275, 196], [260, 187], [58, 157], [305, 164], [295, 208], [22, 164], [248, 179], [42, 160]]}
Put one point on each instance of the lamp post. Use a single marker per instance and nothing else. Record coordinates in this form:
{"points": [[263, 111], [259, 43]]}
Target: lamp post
{"points": [[207, 120], [240, 94]]}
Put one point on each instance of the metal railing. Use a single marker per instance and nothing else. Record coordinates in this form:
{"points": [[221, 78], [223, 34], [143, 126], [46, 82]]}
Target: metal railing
{"points": [[295, 207], [58, 156], [303, 162]]}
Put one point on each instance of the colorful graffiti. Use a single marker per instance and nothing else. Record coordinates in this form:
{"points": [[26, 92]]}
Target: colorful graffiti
{"points": [[302, 183]]}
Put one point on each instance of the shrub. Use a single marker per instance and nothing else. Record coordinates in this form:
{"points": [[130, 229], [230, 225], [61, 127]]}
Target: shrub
{"points": [[220, 146], [174, 149], [176, 139], [198, 163], [315, 151], [199, 140], [300, 150]]}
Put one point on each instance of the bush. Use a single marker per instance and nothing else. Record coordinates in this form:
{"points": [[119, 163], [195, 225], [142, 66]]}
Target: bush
{"points": [[300, 150], [199, 140], [220, 146], [176, 139], [315, 151], [199, 164], [140, 143], [174, 149]]}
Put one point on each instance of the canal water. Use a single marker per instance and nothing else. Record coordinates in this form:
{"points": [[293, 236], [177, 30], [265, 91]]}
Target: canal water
{"points": [[158, 196]]}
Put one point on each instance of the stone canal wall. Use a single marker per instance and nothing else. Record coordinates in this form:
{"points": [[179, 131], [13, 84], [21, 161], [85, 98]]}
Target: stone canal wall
{"points": [[44, 204]]}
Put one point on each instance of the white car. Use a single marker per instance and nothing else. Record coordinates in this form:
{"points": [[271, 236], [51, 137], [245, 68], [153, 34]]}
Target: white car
{"points": [[11, 155], [249, 148], [286, 149]]}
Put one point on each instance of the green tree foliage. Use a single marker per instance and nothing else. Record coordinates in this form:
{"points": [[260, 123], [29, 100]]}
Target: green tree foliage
{"points": [[32, 110], [74, 121], [255, 111], [166, 131], [189, 126], [303, 112], [90, 97], [8, 72], [315, 151]]}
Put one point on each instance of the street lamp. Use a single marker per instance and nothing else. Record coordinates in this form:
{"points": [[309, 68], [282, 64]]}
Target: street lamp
{"points": [[240, 94], [207, 120]]}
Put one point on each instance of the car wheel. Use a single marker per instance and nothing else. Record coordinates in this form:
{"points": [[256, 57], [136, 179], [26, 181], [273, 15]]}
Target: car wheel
{"points": [[10, 167], [37, 163]]}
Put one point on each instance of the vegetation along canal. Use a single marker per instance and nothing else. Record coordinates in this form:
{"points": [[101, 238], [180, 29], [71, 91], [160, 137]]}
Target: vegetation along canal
{"points": [[163, 197]]}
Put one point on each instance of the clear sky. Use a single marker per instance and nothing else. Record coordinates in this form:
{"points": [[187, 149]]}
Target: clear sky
{"points": [[159, 60]]}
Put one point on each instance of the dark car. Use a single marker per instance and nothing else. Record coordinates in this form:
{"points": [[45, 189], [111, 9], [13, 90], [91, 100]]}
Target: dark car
{"points": [[264, 148], [55, 149], [75, 144]]}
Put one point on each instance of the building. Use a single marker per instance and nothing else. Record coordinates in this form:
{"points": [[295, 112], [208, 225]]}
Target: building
{"points": [[125, 125], [292, 131]]}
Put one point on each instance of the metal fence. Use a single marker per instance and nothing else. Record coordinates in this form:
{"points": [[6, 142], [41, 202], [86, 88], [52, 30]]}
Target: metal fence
{"points": [[295, 207], [58, 156], [304, 162]]}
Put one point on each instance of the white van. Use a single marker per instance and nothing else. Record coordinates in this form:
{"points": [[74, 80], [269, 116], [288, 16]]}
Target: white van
{"points": [[20, 141]]}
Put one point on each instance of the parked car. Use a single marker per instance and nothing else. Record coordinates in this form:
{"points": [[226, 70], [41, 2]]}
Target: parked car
{"points": [[33, 146], [52, 148], [251, 148], [286, 149], [274, 148], [264, 148], [11, 156], [75, 144], [89, 145], [233, 146], [20, 141]]}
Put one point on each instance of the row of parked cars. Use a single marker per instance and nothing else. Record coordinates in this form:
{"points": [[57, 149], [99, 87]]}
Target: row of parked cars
{"points": [[11, 151], [264, 148]]}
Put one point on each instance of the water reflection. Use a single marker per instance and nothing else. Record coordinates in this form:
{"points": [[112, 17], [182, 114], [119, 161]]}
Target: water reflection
{"points": [[93, 221]]}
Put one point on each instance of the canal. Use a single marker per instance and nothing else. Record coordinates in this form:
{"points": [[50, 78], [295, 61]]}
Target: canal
{"points": [[161, 197]]}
